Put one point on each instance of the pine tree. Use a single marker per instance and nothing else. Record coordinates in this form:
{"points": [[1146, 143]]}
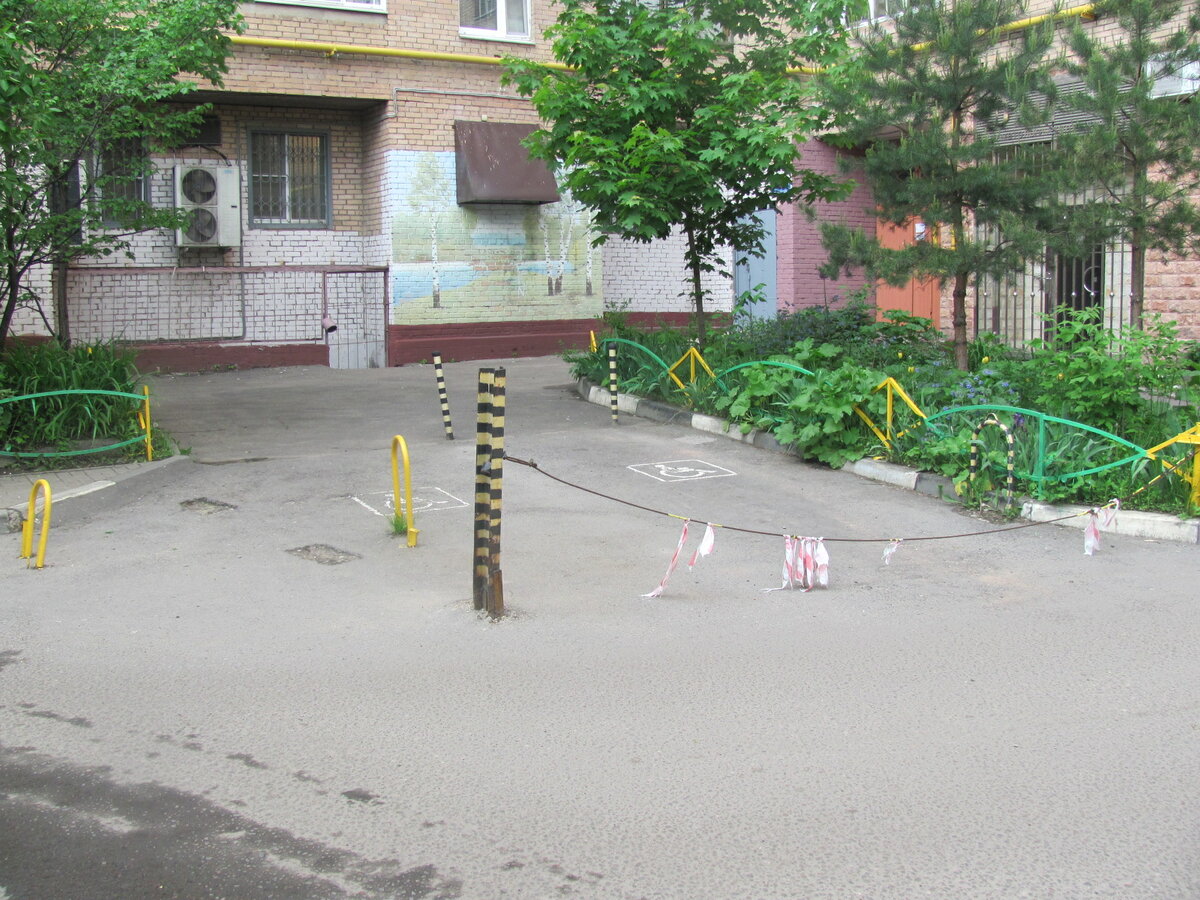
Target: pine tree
{"points": [[922, 88], [1138, 153]]}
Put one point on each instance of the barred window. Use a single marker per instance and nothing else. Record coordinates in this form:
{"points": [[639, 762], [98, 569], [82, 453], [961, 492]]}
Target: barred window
{"points": [[121, 181], [289, 180]]}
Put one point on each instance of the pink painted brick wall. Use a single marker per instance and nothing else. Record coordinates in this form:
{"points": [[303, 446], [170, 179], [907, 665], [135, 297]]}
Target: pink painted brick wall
{"points": [[798, 239]]}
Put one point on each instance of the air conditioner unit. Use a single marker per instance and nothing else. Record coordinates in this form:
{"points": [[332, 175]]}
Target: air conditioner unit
{"points": [[211, 196]]}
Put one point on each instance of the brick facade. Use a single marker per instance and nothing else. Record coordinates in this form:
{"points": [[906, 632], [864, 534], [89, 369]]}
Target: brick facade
{"points": [[508, 278], [798, 236]]}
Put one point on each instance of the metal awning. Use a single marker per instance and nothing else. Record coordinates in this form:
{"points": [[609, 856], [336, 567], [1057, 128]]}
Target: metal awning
{"points": [[493, 166]]}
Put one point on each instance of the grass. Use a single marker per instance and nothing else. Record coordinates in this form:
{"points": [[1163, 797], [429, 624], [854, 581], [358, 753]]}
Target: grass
{"points": [[70, 423]]}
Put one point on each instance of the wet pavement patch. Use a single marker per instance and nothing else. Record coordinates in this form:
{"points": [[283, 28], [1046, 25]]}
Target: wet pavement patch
{"points": [[324, 554], [62, 825], [206, 506]]}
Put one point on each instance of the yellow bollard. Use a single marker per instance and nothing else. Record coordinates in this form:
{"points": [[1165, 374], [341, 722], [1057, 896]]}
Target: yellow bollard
{"points": [[27, 528], [143, 418], [398, 444], [146, 413]]}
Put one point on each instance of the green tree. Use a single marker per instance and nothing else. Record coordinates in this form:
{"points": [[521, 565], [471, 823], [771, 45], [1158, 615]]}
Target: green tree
{"points": [[87, 89], [1138, 152], [921, 87], [683, 115]]}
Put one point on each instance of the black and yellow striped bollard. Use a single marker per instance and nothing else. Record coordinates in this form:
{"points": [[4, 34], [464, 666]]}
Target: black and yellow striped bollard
{"points": [[442, 398], [612, 380], [1010, 481], [481, 556], [495, 605]]}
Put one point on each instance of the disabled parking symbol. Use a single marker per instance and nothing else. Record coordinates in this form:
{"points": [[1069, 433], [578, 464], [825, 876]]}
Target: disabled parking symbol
{"points": [[682, 470], [426, 499]]}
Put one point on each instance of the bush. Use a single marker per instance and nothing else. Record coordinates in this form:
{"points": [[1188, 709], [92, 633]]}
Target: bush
{"points": [[1134, 384]]}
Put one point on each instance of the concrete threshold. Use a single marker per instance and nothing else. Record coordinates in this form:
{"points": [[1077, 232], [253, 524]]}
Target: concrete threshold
{"points": [[1130, 523]]}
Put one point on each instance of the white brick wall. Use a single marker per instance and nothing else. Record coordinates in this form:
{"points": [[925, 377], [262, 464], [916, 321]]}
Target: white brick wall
{"points": [[653, 277]]}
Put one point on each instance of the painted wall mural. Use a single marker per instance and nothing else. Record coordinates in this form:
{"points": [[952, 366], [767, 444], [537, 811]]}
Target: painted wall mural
{"points": [[486, 262]]}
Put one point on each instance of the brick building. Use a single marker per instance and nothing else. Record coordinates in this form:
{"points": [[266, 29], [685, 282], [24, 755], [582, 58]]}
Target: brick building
{"points": [[348, 214], [338, 166], [1012, 307]]}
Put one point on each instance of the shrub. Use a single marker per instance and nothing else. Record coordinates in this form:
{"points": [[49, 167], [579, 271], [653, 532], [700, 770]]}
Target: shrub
{"points": [[57, 422]]}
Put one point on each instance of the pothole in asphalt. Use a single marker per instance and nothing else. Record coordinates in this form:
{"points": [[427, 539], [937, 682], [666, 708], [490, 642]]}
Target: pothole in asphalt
{"points": [[324, 554], [359, 795], [206, 506]]}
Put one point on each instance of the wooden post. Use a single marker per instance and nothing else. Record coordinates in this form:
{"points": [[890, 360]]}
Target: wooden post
{"points": [[495, 605], [441, 386], [481, 557]]}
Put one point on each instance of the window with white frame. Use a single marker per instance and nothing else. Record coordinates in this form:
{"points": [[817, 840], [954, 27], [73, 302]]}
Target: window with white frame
{"points": [[375, 6], [494, 19], [870, 10], [289, 179]]}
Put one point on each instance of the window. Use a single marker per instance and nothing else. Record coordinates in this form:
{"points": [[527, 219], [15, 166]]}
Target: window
{"points": [[121, 180], [289, 180], [870, 10], [376, 6], [494, 19]]}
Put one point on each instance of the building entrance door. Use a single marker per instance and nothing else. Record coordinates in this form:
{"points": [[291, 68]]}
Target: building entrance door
{"points": [[917, 298]]}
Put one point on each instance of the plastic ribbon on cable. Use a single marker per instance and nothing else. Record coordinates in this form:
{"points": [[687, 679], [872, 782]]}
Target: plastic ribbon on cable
{"points": [[890, 550], [1105, 516], [706, 546], [805, 563], [657, 592]]}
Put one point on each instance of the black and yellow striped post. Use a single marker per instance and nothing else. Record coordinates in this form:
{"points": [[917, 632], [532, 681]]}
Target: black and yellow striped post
{"points": [[442, 398], [612, 380], [495, 596], [481, 558], [1011, 478]]}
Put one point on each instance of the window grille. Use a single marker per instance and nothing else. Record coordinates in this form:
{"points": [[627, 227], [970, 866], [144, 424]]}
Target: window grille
{"points": [[289, 179], [1020, 306], [120, 174]]}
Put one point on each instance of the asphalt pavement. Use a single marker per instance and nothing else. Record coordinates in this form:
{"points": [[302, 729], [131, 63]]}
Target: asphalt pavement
{"points": [[232, 680]]}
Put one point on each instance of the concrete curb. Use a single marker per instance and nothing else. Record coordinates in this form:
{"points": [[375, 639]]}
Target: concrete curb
{"points": [[1130, 523], [73, 484], [662, 412]]}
